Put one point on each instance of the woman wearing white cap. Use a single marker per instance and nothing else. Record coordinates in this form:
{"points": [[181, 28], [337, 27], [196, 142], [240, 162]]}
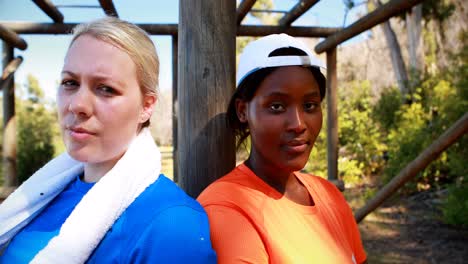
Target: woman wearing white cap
{"points": [[105, 201], [265, 210]]}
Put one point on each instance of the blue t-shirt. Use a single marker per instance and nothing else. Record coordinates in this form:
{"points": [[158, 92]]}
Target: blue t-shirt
{"points": [[163, 225]]}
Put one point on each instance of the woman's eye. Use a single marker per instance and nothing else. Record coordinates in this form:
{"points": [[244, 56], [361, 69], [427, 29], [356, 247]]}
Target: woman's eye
{"points": [[106, 90], [310, 106], [69, 84], [276, 107]]}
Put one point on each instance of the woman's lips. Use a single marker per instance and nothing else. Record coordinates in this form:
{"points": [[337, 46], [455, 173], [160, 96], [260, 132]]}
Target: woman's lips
{"points": [[78, 133], [297, 146]]}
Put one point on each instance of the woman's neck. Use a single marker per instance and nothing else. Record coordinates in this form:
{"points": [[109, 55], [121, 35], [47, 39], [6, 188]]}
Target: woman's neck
{"points": [[283, 181], [94, 172]]}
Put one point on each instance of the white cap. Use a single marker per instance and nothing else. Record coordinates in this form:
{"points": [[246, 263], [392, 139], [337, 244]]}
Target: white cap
{"points": [[255, 55]]}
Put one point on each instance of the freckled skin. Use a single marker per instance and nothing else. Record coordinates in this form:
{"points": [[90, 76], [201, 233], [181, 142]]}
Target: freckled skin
{"points": [[100, 104], [284, 119]]}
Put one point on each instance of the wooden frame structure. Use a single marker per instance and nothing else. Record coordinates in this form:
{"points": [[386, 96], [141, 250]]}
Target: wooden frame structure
{"points": [[202, 83]]}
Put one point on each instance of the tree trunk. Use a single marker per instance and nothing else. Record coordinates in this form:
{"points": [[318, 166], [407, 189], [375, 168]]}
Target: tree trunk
{"points": [[413, 26], [395, 54]]}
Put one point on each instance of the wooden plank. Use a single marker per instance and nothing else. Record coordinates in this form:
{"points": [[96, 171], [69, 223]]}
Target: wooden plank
{"points": [[108, 7], [10, 37], [171, 29], [332, 116], [448, 138], [243, 9], [311, 32], [51, 10], [9, 123], [372, 19], [298, 10], [66, 28], [10, 69], [207, 38], [175, 114]]}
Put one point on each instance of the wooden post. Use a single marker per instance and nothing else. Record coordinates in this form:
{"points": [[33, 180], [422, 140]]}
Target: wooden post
{"points": [[449, 137], [244, 8], [175, 113], [108, 8], [11, 38], [332, 120], [299, 9], [207, 32], [51, 10], [9, 123]]}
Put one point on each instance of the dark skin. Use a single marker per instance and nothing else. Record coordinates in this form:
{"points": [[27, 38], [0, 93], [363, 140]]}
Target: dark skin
{"points": [[284, 119]]}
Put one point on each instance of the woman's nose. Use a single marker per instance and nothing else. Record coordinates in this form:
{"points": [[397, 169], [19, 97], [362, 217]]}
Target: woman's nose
{"points": [[81, 102], [296, 120]]}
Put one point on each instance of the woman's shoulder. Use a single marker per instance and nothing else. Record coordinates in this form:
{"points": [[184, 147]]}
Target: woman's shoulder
{"points": [[152, 227], [237, 187], [164, 194]]}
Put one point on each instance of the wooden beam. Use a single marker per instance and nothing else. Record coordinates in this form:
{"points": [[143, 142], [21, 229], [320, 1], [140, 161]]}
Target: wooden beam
{"points": [[9, 122], [175, 114], [108, 7], [332, 116], [10, 37], [171, 29], [50, 28], [10, 69], [243, 9], [207, 57], [372, 19], [298, 10], [448, 138], [50, 10], [311, 32]]}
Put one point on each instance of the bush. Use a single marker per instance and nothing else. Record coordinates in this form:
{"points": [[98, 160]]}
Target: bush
{"points": [[455, 207], [437, 103], [360, 141], [35, 132], [386, 108]]}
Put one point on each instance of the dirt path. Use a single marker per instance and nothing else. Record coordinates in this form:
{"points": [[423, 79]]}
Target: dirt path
{"points": [[409, 230]]}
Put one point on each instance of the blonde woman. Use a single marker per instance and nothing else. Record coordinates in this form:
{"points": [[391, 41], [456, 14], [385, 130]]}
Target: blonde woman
{"points": [[104, 200]]}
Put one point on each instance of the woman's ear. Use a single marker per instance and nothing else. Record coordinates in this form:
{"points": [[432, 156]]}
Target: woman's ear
{"points": [[241, 110], [149, 101]]}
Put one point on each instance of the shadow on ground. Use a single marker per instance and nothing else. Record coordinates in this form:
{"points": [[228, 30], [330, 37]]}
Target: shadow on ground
{"points": [[409, 230]]}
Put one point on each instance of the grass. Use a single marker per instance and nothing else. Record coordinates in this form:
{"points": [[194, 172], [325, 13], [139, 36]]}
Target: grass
{"points": [[167, 161]]}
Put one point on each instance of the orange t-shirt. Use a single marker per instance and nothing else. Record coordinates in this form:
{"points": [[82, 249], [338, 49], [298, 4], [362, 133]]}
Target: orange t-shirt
{"points": [[251, 222]]}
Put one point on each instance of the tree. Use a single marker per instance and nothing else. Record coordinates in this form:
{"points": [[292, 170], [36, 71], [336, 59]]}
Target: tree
{"points": [[395, 54], [35, 130]]}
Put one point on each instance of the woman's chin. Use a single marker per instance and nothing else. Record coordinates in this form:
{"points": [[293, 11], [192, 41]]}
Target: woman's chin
{"points": [[79, 155]]}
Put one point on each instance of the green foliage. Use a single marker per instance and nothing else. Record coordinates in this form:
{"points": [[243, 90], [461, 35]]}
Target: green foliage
{"points": [[265, 17], [438, 10], [35, 131], [455, 207], [437, 103], [360, 139], [385, 109]]}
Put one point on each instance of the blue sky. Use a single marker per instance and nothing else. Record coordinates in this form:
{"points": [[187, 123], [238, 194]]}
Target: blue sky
{"points": [[45, 53]]}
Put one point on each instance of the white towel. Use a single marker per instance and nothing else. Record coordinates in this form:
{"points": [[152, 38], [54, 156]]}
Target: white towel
{"points": [[139, 167]]}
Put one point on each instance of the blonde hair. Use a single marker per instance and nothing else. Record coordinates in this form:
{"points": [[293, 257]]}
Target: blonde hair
{"points": [[131, 39]]}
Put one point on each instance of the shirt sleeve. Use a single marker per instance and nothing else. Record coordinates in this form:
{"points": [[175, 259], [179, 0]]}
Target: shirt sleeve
{"points": [[234, 237], [179, 234]]}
